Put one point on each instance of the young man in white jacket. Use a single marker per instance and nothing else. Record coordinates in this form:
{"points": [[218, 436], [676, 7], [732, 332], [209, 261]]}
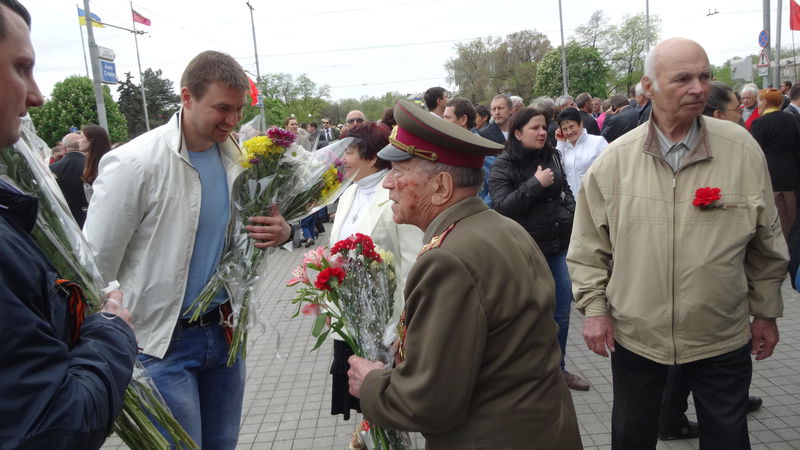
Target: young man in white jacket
{"points": [[157, 223]]}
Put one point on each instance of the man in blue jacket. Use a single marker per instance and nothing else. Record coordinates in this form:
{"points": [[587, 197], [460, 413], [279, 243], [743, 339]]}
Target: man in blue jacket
{"points": [[56, 393]]}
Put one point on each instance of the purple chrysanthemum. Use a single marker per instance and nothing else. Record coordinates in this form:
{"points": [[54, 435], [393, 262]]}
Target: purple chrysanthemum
{"points": [[281, 137]]}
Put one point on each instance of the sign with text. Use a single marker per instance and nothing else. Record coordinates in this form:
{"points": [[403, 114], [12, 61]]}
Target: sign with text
{"points": [[108, 72]]}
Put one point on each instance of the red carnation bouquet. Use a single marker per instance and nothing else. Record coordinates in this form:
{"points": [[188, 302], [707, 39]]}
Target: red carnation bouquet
{"points": [[351, 290]]}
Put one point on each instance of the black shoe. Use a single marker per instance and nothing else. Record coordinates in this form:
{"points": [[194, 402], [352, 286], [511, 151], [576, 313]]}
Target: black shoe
{"points": [[754, 403], [320, 227], [690, 431]]}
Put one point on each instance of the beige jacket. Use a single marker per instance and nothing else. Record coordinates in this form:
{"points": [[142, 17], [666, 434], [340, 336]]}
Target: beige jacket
{"points": [[679, 282]]}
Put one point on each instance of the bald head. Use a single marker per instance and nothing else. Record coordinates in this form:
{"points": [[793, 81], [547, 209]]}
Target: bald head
{"points": [[677, 79], [355, 117], [70, 142], [667, 51]]}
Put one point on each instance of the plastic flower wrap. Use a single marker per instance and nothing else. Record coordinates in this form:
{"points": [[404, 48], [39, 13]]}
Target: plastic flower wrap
{"points": [[351, 287], [279, 174], [60, 239]]}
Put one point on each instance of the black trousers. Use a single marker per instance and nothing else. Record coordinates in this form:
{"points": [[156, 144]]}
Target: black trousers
{"points": [[674, 401], [720, 387]]}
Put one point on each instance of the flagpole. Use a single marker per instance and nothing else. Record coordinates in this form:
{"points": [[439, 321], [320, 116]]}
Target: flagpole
{"points": [[141, 78], [83, 46], [794, 56], [777, 74], [258, 71]]}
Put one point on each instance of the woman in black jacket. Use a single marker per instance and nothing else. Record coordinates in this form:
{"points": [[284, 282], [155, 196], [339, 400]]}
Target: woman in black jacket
{"points": [[527, 184], [777, 134]]}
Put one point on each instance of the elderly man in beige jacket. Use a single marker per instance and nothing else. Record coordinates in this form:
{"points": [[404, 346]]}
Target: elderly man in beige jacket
{"points": [[676, 243]]}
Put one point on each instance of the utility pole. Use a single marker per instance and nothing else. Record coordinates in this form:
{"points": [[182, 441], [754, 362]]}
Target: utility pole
{"points": [[98, 91], [564, 74], [141, 78], [777, 75], [258, 70], [765, 79]]}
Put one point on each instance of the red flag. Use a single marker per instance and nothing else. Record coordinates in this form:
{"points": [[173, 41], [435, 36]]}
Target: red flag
{"points": [[138, 18], [253, 93], [794, 15]]}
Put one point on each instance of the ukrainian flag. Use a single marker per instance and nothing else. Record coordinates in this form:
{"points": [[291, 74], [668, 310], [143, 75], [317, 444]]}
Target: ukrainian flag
{"points": [[96, 22]]}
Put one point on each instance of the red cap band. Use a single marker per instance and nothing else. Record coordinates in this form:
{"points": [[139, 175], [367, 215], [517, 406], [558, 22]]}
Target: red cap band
{"points": [[433, 152]]}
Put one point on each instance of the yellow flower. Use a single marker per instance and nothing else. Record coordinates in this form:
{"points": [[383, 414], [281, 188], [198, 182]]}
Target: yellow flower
{"points": [[386, 256], [259, 145]]}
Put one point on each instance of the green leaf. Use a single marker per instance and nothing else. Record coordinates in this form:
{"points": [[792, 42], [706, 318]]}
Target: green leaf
{"points": [[320, 340], [319, 324]]}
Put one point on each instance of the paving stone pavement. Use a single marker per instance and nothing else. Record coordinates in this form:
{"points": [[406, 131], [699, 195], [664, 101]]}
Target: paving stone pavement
{"points": [[287, 396]]}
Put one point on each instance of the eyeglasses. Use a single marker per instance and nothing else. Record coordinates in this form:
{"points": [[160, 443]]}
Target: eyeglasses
{"points": [[354, 120]]}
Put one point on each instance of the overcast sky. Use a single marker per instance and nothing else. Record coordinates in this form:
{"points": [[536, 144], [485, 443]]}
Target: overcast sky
{"points": [[360, 48]]}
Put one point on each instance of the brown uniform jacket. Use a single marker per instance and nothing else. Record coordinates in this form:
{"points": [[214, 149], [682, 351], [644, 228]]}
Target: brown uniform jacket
{"points": [[482, 358]]}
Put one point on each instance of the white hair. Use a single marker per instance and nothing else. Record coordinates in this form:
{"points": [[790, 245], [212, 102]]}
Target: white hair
{"points": [[516, 100], [563, 100], [650, 67], [638, 89], [750, 87]]}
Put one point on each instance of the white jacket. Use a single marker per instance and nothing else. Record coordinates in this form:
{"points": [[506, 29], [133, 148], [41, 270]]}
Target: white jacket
{"points": [[404, 241], [577, 158], [141, 225]]}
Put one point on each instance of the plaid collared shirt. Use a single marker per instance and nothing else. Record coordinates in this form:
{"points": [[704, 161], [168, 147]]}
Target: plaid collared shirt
{"points": [[673, 152]]}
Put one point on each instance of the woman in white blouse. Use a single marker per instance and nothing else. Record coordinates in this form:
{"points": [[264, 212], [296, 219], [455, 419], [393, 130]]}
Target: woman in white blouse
{"points": [[577, 147], [365, 208]]}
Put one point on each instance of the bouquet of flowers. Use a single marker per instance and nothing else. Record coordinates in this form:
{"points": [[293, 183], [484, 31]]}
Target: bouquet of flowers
{"points": [[61, 240], [278, 174], [351, 287]]}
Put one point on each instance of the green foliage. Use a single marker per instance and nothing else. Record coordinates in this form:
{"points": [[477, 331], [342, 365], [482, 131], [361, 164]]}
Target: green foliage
{"points": [[486, 67], [723, 73], [274, 109], [372, 107], [623, 47], [73, 105], [285, 95], [162, 101], [586, 72]]}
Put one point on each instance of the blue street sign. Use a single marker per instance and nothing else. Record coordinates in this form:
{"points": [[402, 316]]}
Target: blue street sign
{"points": [[763, 39], [73, 129], [108, 72]]}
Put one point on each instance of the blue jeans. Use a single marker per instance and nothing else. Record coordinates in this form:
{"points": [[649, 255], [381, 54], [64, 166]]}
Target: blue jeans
{"points": [[203, 393], [558, 266], [308, 226]]}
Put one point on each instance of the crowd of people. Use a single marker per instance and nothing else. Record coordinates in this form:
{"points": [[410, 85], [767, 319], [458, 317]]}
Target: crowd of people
{"points": [[600, 203]]}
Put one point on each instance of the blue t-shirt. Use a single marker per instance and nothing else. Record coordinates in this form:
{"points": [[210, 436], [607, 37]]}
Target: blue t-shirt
{"points": [[209, 241]]}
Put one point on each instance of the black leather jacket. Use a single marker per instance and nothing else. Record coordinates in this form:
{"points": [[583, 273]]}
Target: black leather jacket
{"points": [[546, 213]]}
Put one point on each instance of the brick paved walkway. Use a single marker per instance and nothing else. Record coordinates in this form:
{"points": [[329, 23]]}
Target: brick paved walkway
{"points": [[287, 399]]}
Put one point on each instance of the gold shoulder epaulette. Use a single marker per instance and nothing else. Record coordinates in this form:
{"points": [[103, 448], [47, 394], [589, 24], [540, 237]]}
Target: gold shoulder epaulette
{"points": [[436, 241]]}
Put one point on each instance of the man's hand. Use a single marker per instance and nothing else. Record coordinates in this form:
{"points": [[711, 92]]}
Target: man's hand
{"points": [[270, 230], [113, 306], [764, 337], [598, 332], [359, 368]]}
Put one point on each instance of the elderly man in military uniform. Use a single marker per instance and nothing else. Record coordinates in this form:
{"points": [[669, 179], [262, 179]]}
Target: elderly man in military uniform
{"points": [[480, 364]]}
